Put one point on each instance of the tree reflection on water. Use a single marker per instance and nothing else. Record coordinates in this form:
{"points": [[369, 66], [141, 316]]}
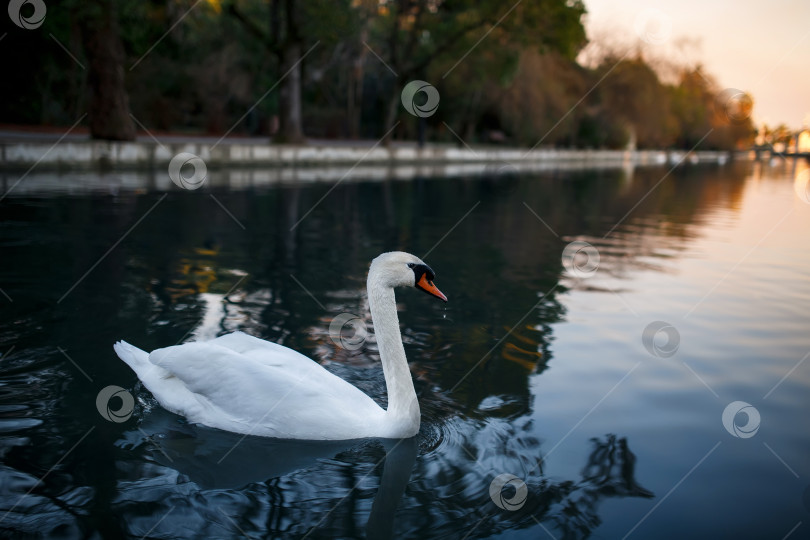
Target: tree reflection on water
{"points": [[433, 485]]}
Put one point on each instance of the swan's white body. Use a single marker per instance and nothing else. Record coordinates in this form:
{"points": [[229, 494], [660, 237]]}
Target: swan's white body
{"points": [[243, 384]]}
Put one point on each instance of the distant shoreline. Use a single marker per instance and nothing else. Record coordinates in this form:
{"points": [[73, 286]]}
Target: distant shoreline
{"points": [[77, 153]]}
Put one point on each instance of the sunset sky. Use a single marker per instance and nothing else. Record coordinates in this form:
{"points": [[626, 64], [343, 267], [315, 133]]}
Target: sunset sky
{"points": [[759, 47]]}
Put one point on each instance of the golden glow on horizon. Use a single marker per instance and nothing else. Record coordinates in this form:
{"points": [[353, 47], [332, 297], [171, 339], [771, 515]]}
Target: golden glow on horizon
{"points": [[758, 47]]}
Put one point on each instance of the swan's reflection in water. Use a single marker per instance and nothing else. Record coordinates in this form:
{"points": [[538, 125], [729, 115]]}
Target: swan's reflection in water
{"points": [[216, 459], [221, 462], [222, 484], [399, 462]]}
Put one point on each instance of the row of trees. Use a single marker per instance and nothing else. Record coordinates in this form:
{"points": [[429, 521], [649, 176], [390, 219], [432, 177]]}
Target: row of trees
{"points": [[335, 69]]}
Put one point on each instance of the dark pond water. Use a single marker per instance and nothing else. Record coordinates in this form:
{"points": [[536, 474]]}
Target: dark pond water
{"points": [[611, 423]]}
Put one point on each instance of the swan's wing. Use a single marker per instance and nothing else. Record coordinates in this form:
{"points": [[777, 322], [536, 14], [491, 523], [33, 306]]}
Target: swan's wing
{"points": [[263, 390], [265, 352]]}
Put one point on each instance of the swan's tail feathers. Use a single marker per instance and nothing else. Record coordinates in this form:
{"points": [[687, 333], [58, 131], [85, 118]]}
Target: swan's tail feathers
{"points": [[135, 358]]}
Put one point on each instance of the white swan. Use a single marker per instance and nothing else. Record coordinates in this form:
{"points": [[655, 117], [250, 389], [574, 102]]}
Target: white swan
{"points": [[243, 384]]}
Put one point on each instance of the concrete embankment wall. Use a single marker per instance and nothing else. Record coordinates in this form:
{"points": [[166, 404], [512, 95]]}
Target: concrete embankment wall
{"points": [[148, 155]]}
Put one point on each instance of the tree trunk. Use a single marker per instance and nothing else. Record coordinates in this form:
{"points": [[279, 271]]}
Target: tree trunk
{"points": [[108, 111], [355, 83], [289, 97], [354, 105], [391, 115]]}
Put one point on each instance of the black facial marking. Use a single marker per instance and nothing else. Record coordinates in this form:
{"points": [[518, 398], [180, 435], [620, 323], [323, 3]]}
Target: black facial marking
{"points": [[422, 269]]}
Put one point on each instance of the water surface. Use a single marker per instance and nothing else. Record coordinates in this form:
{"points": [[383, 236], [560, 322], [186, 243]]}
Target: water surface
{"points": [[531, 369]]}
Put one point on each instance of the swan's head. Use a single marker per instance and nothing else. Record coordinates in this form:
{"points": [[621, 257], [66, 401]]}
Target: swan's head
{"points": [[400, 269]]}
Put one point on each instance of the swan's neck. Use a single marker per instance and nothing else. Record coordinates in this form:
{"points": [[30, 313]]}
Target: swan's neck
{"points": [[403, 406]]}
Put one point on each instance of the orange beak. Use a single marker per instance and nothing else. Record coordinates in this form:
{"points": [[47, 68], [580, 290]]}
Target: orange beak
{"points": [[430, 288]]}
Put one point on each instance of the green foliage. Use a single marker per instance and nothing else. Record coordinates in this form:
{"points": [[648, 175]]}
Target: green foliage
{"points": [[506, 73]]}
